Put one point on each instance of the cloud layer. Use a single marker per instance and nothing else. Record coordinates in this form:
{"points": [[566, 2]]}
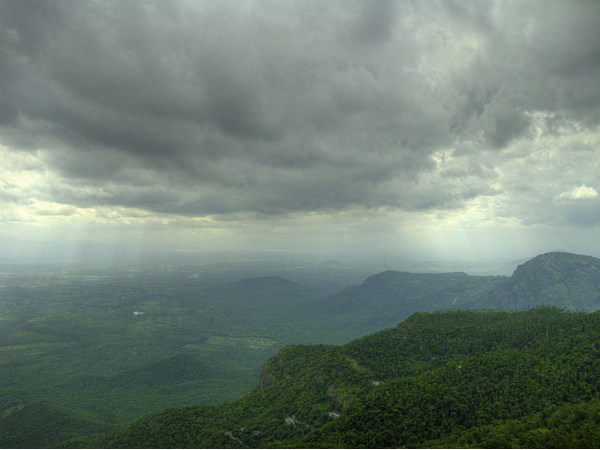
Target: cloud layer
{"points": [[218, 109]]}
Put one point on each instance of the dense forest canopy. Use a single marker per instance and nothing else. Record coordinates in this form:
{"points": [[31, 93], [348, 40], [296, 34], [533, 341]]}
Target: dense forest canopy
{"points": [[438, 379]]}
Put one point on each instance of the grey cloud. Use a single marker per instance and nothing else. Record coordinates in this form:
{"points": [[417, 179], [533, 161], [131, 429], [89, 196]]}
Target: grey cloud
{"points": [[535, 59], [558, 35], [574, 213], [9, 113], [503, 123], [374, 22], [199, 108], [580, 213]]}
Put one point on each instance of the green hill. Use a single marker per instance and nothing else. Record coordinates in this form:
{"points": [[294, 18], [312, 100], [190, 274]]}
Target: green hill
{"points": [[168, 372], [272, 283], [41, 426], [454, 378], [569, 426], [387, 298], [565, 280]]}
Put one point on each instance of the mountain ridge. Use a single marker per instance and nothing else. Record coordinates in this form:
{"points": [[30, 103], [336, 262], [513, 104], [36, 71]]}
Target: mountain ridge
{"points": [[561, 279], [543, 280]]}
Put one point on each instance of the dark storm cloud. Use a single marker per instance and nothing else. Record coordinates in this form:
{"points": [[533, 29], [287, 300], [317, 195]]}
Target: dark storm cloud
{"points": [[211, 107]]}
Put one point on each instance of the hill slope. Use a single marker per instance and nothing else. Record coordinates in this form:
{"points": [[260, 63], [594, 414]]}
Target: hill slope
{"points": [[385, 299], [565, 280], [41, 426], [265, 283], [438, 377]]}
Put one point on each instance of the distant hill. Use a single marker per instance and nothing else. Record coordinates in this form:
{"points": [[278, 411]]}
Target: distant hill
{"points": [[41, 426], [524, 379], [265, 283], [565, 280], [273, 297], [385, 299]]}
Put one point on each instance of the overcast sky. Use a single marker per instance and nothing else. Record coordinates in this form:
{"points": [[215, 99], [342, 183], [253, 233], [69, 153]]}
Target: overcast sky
{"points": [[450, 129]]}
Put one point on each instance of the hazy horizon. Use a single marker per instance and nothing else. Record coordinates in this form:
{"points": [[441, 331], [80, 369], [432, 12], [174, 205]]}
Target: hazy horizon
{"points": [[443, 131]]}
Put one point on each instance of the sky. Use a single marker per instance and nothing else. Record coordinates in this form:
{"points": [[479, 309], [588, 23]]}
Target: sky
{"points": [[442, 129]]}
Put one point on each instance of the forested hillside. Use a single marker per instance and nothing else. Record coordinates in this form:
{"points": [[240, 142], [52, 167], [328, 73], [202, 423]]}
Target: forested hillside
{"points": [[91, 350], [437, 379]]}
